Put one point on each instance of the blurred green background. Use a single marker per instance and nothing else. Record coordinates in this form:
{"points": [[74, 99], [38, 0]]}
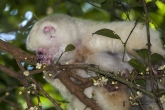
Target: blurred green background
{"points": [[18, 16]]}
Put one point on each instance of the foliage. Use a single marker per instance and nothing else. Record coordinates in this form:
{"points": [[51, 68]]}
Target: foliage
{"points": [[18, 16]]}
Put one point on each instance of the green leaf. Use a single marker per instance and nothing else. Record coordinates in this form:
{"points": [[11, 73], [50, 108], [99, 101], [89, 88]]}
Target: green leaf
{"points": [[74, 8], [101, 1], [143, 53], [69, 47], [92, 65], [107, 33], [156, 58], [141, 82], [161, 91], [107, 5], [136, 64], [95, 1]]}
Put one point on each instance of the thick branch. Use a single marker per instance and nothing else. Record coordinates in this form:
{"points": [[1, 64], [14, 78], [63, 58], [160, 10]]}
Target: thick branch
{"points": [[17, 53], [77, 90]]}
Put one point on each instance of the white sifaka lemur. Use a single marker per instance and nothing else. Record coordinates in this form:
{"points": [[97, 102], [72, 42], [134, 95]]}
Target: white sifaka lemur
{"points": [[50, 36]]}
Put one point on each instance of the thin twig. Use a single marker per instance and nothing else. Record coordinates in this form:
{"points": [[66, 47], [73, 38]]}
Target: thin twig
{"points": [[125, 43], [152, 79], [13, 104], [46, 94]]}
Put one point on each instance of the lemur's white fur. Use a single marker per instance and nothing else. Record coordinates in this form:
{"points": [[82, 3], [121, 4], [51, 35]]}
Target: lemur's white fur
{"points": [[95, 49]]}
